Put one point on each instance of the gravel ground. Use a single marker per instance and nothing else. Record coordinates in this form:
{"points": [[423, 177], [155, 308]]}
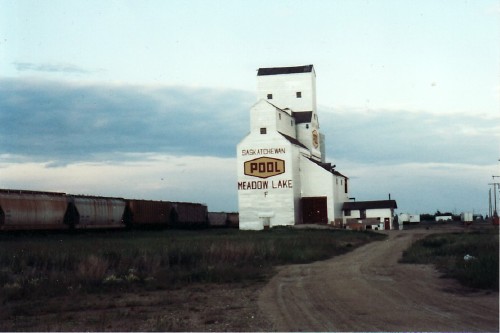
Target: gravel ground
{"points": [[368, 290]]}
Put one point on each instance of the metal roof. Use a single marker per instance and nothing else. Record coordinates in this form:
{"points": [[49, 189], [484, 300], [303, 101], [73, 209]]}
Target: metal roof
{"points": [[302, 117], [285, 70], [23, 192], [336, 173], [328, 167], [293, 140], [357, 205]]}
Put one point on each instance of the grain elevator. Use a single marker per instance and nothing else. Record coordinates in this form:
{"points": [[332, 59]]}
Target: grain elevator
{"points": [[283, 178]]}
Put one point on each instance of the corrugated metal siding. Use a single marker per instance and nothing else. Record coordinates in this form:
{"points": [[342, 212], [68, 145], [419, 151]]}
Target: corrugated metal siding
{"points": [[217, 219], [149, 212], [380, 204], [285, 70], [99, 212], [233, 219], [189, 213], [32, 210]]}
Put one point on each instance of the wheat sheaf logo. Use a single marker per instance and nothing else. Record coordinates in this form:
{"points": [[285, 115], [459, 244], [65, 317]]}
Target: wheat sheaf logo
{"points": [[315, 137], [264, 167]]}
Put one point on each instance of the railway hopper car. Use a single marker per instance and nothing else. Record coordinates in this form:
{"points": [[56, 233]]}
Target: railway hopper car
{"points": [[95, 212], [223, 220], [187, 215], [233, 220], [217, 219], [147, 212], [31, 210]]}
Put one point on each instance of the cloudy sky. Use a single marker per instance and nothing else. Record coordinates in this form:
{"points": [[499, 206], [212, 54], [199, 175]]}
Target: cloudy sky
{"points": [[148, 99]]}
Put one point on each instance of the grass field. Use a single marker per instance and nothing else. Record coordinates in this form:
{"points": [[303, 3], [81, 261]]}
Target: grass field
{"points": [[49, 264], [469, 257]]}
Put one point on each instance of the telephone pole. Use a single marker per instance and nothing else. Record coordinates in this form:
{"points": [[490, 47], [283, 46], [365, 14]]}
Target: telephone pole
{"points": [[489, 203], [495, 184]]}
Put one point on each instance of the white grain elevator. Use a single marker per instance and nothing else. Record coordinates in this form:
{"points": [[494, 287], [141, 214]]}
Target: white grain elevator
{"points": [[283, 178]]}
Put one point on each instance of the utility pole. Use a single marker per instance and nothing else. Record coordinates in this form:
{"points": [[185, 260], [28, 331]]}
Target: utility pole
{"points": [[495, 218], [489, 203], [495, 212]]}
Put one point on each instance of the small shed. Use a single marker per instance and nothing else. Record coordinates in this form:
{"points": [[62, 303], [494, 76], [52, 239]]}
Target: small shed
{"points": [[367, 211], [444, 218], [414, 218], [467, 217], [403, 218]]}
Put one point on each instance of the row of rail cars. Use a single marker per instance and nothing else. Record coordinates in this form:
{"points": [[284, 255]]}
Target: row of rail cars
{"points": [[32, 210]]}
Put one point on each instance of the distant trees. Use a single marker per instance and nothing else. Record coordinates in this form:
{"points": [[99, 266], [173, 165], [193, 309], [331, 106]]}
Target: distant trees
{"points": [[426, 217], [432, 217]]}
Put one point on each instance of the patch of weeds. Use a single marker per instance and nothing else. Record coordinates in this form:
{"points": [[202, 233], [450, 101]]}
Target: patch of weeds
{"points": [[434, 242], [92, 268], [55, 264], [12, 290], [112, 279], [166, 324], [471, 258]]}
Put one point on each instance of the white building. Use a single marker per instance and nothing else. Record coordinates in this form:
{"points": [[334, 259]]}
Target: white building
{"points": [[282, 175], [408, 218], [467, 217], [414, 218], [403, 218], [443, 218], [378, 215]]}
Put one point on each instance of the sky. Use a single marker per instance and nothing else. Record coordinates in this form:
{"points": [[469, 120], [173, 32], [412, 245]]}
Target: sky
{"points": [[148, 99]]}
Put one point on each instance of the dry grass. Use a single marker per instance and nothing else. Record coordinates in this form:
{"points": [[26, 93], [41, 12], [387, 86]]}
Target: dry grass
{"points": [[92, 268], [469, 257], [47, 264]]}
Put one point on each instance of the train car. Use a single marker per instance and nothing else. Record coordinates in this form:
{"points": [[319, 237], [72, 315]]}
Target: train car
{"points": [[188, 215], [96, 212], [31, 210], [147, 212], [233, 220], [217, 220]]}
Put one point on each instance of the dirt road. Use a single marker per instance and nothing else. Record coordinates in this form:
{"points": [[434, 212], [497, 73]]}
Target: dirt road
{"points": [[368, 290]]}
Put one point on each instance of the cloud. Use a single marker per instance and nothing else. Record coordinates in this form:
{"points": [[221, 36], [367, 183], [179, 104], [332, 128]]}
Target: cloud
{"points": [[493, 8], [50, 68], [209, 180], [388, 136], [423, 187], [176, 143], [65, 121], [427, 161]]}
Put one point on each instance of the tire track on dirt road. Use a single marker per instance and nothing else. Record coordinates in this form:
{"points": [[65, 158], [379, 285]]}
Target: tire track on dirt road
{"points": [[368, 290]]}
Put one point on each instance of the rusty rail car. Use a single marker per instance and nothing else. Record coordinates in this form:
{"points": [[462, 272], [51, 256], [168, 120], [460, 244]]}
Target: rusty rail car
{"points": [[148, 212], [223, 220], [32, 210], [95, 212]]}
